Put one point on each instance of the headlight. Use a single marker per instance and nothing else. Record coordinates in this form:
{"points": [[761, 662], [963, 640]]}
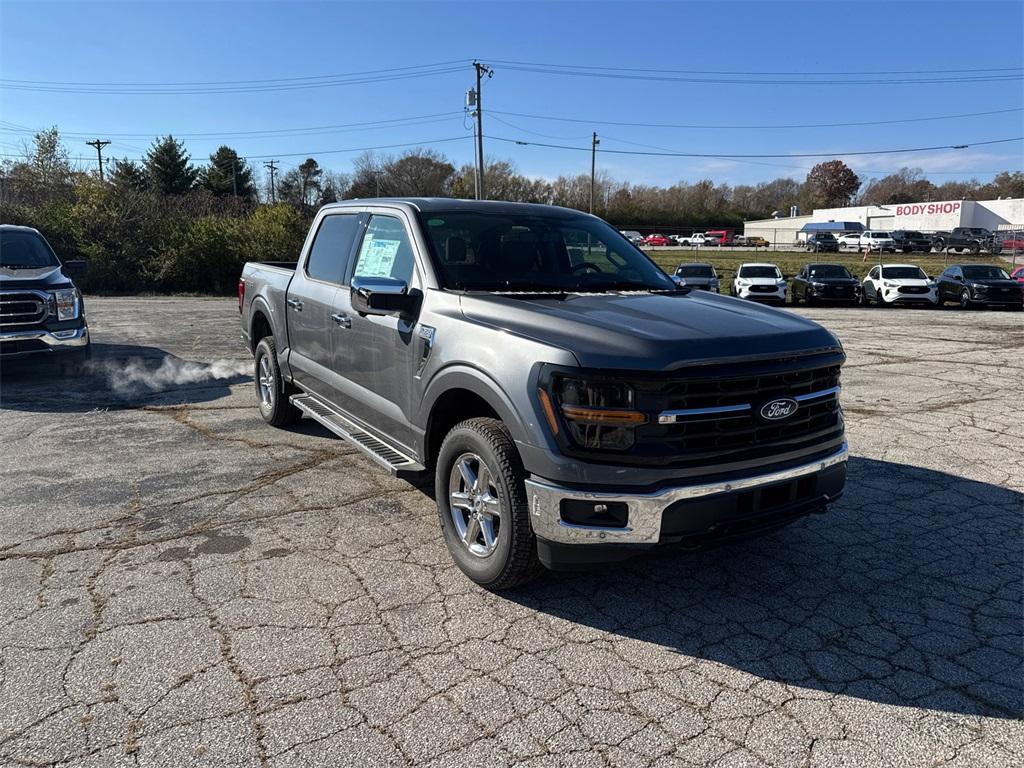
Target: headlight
{"points": [[979, 287], [887, 284], [598, 415], [819, 286], [67, 304]]}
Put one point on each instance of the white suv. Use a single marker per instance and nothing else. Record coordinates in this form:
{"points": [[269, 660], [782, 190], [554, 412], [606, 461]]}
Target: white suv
{"points": [[759, 281], [874, 240], [889, 284]]}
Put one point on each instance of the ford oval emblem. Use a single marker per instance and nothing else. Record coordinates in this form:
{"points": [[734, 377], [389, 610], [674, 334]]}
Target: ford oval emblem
{"points": [[782, 408]]}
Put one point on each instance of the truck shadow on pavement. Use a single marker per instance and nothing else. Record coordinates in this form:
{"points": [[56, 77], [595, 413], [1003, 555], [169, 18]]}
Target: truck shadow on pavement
{"points": [[117, 376], [908, 592]]}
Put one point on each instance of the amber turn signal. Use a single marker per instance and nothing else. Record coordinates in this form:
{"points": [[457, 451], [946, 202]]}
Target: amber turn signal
{"points": [[612, 418], [549, 412]]}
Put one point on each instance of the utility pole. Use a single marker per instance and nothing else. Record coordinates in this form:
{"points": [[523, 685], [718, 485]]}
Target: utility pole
{"points": [[481, 69], [234, 180], [271, 165], [99, 144], [593, 168]]}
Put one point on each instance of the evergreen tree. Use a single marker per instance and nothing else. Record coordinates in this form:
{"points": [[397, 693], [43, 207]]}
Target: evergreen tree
{"points": [[127, 175], [169, 168], [228, 174]]}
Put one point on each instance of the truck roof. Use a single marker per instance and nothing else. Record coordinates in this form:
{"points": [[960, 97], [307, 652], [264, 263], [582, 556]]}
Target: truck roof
{"points": [[451, 205]]}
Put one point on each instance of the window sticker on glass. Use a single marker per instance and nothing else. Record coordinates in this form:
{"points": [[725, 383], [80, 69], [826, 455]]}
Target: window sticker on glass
{"points": [[378, 257]]}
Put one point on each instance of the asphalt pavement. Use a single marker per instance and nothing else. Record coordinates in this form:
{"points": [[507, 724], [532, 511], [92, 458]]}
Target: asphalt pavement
{"points": [[183, 585]]}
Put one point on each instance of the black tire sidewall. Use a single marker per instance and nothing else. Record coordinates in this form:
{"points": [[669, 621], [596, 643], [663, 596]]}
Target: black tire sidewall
{"points": [[469, 437], [281, 412]]}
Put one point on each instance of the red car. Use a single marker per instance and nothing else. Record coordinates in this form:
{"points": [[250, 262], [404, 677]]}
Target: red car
{"points": [[1018, 275], [656, 240], [718, 237], [1012, 241]]}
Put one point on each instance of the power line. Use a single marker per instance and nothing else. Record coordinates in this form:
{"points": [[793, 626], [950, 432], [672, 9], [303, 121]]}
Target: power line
{"points": [[1014, 68], [662, 78], [709, 126], [240, 82], [312, 153], [400, 122], [219, 89], [735, 156]]}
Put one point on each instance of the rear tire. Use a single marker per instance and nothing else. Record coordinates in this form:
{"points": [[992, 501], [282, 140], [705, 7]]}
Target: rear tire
{"points": [[273, 394], [479, 468]]}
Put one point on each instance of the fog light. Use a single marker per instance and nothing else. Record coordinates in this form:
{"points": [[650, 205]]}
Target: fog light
{"points": [[606, 514]]}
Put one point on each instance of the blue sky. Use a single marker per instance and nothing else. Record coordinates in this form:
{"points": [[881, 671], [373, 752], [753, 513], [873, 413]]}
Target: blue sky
{"points": [[159, 43]]}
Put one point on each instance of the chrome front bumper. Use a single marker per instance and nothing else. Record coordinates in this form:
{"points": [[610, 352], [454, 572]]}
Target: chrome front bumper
{"points": [[71, 338], [645, 509]]}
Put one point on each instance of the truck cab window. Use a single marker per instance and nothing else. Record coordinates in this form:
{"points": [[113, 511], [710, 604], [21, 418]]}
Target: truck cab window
{"points": [[332, 246], [385, 250]]}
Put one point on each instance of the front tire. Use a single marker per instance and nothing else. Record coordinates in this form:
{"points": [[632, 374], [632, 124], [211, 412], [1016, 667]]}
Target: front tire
{"points": [[965, 299], [879, 299], [272, 393], [481, 501]]}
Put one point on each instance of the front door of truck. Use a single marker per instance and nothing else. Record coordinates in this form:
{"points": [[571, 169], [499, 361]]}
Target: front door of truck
{"points": [[377, 354], [311, 302]]}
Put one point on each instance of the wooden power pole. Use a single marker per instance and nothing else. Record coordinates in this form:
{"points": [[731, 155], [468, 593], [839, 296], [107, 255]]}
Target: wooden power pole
{"points": [[99, 144]]}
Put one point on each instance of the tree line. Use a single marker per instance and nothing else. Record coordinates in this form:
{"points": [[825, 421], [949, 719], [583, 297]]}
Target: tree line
{"points": [[166, 223]]}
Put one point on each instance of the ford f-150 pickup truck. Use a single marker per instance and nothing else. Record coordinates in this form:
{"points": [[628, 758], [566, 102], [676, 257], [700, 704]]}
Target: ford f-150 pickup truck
{"points": [[573, 404], [972, 239], [41, 311]]}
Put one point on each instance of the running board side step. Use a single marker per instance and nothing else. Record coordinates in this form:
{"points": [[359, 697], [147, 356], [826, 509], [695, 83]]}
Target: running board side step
{"points": [[391, 459]]}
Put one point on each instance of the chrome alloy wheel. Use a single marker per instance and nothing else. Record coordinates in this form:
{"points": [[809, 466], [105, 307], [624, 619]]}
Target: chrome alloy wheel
{"points": [[474, 505], [265, 383]]}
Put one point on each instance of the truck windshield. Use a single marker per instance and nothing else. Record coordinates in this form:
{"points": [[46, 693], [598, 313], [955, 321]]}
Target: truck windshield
{"points": [[476, 251], [25, 250]]}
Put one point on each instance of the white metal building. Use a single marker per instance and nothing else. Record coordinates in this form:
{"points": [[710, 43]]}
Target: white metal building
{"points": [[925, 216]]}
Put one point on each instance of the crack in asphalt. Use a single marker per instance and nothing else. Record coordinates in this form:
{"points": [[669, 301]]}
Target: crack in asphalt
{"points": [[274, 600]]}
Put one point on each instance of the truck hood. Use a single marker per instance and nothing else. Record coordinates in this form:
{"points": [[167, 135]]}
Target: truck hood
{"points": [[42, 278], [650, 331], [759, 280]]}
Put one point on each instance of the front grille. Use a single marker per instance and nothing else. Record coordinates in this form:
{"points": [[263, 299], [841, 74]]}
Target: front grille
{"points": [[22, 345], [840, 291], [22, 308], [763, 289], [913, 289], [711, 439]]}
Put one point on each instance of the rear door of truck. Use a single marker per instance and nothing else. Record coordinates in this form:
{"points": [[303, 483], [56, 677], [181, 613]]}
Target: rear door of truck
{"points": [[378, 354], [312, 300]]}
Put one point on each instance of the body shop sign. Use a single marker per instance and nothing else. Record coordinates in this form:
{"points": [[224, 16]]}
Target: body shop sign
{"points": [[929, 216], [926, 209]]}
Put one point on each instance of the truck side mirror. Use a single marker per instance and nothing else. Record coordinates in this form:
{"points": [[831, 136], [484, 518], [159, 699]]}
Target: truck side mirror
{"points": [[75, 268], [380, 296]]}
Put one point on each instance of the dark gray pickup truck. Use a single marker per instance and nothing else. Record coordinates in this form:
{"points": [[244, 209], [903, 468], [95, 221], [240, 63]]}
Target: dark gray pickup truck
{"points": [[573, 403], [42, 314]]}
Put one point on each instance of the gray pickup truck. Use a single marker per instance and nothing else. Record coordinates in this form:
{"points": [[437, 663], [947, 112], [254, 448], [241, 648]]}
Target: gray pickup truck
{"points": [[573, 403]]}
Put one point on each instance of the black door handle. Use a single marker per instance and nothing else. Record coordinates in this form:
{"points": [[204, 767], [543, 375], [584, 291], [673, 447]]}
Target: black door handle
{"points": [[342, 320]]}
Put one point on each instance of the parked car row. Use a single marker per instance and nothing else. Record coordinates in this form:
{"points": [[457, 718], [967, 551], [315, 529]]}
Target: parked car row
{"points": [[969, 285], [960, 239], [711, 238]]}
